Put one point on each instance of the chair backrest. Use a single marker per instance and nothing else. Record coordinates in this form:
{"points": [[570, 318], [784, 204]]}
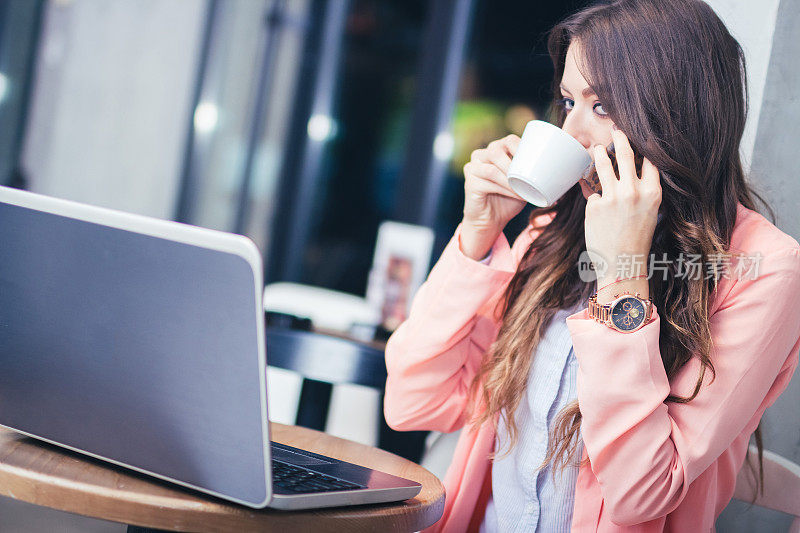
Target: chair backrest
{"points": [[781, 486], [324, 358], [322, 361]]}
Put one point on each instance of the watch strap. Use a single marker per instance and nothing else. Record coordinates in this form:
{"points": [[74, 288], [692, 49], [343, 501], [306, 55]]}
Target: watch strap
{"points": [[599, 312]]}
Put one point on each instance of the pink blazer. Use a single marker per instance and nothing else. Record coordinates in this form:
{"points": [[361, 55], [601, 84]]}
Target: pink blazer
{"points": [[654, 466]]}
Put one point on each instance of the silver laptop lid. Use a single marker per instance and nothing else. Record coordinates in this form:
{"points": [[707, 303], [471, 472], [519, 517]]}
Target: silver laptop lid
{"points": [[135, 340]]}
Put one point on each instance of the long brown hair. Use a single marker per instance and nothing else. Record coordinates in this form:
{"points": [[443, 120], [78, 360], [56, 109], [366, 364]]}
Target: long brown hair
{"points": [[671, 76]]}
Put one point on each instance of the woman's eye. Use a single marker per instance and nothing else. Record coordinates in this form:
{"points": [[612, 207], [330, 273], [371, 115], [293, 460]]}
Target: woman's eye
{"points": [[598, 108], [566, 103]]}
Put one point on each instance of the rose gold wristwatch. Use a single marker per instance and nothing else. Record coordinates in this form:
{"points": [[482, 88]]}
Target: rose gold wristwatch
{"points": [[626, 313]]}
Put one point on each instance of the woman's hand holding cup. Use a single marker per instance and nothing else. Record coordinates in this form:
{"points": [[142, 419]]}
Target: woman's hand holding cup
{"points": [[489, 201]]}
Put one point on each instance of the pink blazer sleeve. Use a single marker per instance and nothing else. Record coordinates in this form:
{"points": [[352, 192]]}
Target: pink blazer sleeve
{"points": [[644, 451], [433, 356]]}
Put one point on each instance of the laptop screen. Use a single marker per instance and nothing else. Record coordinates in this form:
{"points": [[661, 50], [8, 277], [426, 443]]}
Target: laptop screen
{"points": [[133, 348]]}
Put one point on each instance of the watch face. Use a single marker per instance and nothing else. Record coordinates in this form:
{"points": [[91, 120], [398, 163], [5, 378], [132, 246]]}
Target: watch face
{"points": [[628, 313]]}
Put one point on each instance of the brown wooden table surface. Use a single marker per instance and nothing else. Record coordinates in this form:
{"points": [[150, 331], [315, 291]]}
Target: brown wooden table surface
{"points": [[43, 474]]}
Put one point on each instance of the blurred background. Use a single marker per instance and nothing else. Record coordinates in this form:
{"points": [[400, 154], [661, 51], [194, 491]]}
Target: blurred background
{"points": [[306, 124]]}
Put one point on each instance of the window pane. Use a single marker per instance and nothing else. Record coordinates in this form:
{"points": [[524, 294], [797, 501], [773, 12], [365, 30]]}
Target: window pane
{"points": [[505, 82], [376, 82]]}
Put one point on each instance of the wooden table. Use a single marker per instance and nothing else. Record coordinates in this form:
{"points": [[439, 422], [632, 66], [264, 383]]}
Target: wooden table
{"points": [[42, 474]]}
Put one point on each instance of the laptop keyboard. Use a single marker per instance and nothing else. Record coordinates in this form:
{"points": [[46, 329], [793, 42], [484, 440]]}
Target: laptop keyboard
{"points": [[296, 480]]}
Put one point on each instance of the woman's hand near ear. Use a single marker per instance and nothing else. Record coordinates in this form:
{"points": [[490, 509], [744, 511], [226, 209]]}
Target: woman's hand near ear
{"points": [[489, 201], [622, 221]]}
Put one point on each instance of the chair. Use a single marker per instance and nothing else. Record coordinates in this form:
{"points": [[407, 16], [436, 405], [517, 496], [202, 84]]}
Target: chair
{"points": [[325, 360], [781, 486]]}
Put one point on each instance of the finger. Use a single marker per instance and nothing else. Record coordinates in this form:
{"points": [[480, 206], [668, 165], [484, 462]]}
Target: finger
{"points": [[605, 171], [651, 179], [490, 187], [489, 171], [650, 173], [497, 154], [511, 143], [479, 155], [625, 162]]}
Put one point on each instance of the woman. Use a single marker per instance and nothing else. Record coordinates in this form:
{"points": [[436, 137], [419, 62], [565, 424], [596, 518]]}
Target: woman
{"points": [[569, 424]]}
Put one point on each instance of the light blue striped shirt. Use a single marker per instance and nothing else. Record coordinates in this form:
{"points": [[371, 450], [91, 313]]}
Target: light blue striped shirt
{"points": [[523, 498]]}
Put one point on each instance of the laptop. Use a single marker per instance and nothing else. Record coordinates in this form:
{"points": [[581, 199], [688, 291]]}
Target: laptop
{"points": [[140, 342]]}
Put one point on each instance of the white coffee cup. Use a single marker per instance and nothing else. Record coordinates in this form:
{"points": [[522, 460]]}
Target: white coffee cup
{"points": [[548, 162]]}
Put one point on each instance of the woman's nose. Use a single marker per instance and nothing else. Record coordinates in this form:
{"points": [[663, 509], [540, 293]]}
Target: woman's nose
{"points": [[575, 127]]}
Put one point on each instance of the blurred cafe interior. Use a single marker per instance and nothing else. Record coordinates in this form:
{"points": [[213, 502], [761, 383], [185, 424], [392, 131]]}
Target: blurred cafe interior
{"points": [[333, 133]]}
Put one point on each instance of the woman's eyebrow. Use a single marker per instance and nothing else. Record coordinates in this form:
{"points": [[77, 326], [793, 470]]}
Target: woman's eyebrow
{"points": [[586, 93]]}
